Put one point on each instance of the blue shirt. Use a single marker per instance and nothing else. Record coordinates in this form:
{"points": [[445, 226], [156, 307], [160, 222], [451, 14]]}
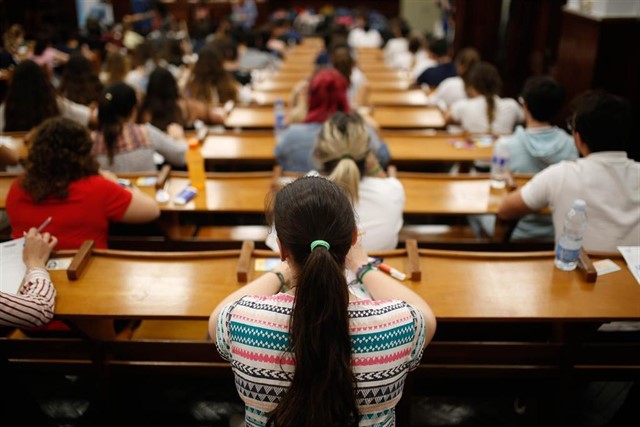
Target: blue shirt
{"points": [[435, 75]]}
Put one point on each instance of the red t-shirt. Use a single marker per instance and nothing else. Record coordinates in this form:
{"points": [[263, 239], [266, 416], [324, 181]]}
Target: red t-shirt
{"points": [[84, 215]]}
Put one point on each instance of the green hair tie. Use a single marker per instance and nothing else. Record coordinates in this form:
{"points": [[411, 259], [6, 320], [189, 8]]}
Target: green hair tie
{"points": [[317, 243], [347, 156]]}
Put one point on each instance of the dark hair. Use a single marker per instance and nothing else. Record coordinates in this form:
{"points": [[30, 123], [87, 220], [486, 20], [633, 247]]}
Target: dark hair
{"points": [[402, 25], [226, 47], [115, 105], [60, 154], [161, 99], [322, 390], [484, 78], [603, 121], [415, 44], [465, 60], [543, 96], [172, 51], [439, 47], [79, 82], [209, 73], [342, 60], [30, 99]]}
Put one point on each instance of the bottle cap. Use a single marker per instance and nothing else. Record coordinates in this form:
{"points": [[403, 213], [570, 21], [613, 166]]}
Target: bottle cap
{"points": [[194, 143], [579, 204]]}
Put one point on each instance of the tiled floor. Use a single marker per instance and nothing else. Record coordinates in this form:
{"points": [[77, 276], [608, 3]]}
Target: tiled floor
{"points": [[184, 402]]}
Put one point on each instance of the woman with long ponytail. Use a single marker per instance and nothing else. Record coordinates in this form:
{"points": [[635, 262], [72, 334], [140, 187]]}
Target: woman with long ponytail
{"points": [[299, 341], [121, 145], [484, 110]]}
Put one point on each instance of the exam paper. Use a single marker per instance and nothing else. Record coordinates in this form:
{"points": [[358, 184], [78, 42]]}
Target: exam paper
{"points": [[631, 255], [12, 269]]}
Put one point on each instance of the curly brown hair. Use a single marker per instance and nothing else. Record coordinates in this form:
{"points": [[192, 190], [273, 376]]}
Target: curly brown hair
{"points": [[60, 154]]}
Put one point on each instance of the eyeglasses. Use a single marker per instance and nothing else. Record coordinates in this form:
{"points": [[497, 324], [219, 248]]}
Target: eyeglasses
{"points": [[570, 125]]}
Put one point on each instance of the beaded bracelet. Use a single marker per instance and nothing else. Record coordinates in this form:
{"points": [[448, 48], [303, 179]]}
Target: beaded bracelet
{"points": [[364, 269], [283, 284]]}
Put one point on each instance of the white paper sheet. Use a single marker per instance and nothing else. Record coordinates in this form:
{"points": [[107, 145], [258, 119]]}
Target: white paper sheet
{"points": [[631, 255], [12, 269]]}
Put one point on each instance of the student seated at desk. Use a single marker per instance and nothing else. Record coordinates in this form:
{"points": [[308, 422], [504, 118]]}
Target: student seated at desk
{"points": [[343, 153], [605, 178], [453, 89], [327, 94], [609, 182], [484, 110], [432, 76], [121, 145], [31, 99], [211, 84], [32, 306], [301, 331], [535, 147], [34, 303], [62, 181], [164, 105]]}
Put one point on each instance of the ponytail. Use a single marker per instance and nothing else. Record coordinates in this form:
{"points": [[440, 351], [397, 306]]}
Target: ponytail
{"points": [[491, 110], [484, 78], [116, 104], [322, 390], [347, 174]]}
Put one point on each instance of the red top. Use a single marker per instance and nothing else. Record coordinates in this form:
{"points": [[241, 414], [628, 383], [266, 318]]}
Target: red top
{"points": [[83, 215]]}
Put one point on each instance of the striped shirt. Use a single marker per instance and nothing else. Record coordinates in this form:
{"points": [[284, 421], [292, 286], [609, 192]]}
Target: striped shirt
{"points": [[33, 305], [387, 337]]}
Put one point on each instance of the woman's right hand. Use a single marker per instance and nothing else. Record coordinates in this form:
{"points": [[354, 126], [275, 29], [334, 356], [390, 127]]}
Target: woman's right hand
{"points": [[356, 257], [37, 248]]}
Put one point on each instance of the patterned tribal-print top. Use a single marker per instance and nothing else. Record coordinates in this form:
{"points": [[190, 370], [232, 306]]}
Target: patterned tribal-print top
{"points": [[387, 337]]}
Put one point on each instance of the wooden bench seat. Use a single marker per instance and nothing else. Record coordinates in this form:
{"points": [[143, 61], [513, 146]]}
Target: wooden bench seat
{"points": [[176, 330]]}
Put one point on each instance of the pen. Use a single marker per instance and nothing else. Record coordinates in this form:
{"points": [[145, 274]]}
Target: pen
{"points": [[388, 269], [44, 224], [392, 271]]}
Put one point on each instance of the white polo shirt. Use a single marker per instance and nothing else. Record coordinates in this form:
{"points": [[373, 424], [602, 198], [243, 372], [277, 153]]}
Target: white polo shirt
{"points": [[472, 114], [610, 184]]}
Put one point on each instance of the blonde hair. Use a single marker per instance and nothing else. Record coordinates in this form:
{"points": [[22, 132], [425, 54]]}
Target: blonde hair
{"points": [[341, 149]]}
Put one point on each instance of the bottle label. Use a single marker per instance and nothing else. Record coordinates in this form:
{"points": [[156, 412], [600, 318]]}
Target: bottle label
{"points": [[567, 255]]}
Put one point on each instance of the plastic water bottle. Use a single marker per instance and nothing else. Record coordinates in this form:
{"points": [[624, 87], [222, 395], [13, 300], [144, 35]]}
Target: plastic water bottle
{"points": [[499, 168], [195, 165], [568, 247], [279, 124]]}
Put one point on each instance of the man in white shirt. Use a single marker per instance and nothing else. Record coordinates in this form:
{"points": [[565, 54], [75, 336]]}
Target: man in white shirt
{"points": [[605, 178]]}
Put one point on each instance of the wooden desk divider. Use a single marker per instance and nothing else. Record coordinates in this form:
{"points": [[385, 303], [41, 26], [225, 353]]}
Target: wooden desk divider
{"points": [[586, 267], [244, 261], [415, 274], [80, 260], [163, 175]]}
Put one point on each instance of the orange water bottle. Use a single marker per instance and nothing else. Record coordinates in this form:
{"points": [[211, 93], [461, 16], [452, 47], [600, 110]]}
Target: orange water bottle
{"points": [[195, 165]]}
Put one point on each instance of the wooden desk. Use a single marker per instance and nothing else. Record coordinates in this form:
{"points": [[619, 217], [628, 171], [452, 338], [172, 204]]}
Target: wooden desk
{"points": [[408, 117], [442, 194], [412, 148], [436, 194], [275, 85], [243, 148], [389, 85], [401, 98], [459, 286], [15, 141], [256, 147], [255, 117], [235, 192], [268, 98]]}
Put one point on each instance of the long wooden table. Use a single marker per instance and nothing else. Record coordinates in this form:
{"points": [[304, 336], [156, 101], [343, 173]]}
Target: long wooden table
{"points": [[245, 192], [459, 286], [387, 117], [257, 147], [175, 293]]}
